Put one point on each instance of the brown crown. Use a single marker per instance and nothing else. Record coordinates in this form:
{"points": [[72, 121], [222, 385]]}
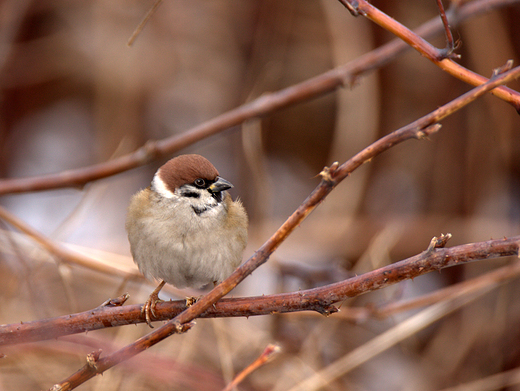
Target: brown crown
{"points": [[185, 169]]}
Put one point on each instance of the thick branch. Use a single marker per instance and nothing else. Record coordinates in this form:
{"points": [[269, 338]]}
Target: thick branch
{"points": [[317, 299]]}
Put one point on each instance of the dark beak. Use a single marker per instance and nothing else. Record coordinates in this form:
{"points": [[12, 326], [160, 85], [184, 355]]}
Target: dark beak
{"points": [[219, 185]]}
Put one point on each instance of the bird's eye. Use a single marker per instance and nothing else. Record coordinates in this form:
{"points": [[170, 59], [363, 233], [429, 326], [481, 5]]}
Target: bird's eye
{"points": [[200, 182]]}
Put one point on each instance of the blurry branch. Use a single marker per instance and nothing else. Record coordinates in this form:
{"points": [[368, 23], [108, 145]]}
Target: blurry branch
{"points": [[267, 355], [262, 106], [500, 381], [66, 255], [440, 57], [143, 22], [386, 340], [423, 127], [113, 314], [493, 278], [330, 178]]}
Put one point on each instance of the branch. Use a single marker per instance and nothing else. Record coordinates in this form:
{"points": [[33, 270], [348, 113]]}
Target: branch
{"points": [[424, 126], [450, 44], [66, 255], [143, 22], [384, 341], [262, 106], [492, 278], [113, 314], [267, 355], [331, 177], [438, 56]]}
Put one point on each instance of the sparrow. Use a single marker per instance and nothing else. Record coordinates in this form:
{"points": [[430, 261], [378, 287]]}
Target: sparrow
{"points": [[184, 229]]}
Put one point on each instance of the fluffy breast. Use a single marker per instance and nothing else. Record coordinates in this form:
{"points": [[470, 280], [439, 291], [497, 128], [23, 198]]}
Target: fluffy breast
{"points": [[169, 241]]}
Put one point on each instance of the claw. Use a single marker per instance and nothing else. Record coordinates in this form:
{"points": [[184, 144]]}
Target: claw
{"points": [[150, 304]]}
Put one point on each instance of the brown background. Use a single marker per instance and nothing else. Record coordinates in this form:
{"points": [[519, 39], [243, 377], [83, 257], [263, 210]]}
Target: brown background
{"points": [[73, 94]]}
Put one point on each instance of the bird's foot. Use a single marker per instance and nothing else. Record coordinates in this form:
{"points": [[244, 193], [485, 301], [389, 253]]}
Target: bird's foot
{"points": [[150, 304], [148, 309]]}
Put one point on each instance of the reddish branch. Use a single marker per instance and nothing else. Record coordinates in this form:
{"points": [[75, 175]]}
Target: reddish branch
{"points": [[450, 44], [331, 177], [321, 299], [267, 103], [267, 355], [437, 56], [493, 278]]}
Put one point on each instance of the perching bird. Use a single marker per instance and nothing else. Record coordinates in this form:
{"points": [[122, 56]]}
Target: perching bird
{"points": [[185, 229]]}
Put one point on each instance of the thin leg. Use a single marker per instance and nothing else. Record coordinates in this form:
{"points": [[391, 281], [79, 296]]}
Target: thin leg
{"points": [[149, 305]]}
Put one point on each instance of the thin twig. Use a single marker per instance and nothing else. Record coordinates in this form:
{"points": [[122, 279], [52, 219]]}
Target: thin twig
{"points": [[64, 254], [143, 22], [264, 105], [450, 44], [435, 55], [267, 355], [331, 177], [384, 341]]}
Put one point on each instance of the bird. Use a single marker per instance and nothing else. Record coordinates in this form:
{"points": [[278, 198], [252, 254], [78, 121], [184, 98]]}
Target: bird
{"points": [[185, 229]]}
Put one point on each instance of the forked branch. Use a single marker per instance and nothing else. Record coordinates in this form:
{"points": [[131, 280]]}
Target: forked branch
{"points": [[113, 314], [439, 57]]}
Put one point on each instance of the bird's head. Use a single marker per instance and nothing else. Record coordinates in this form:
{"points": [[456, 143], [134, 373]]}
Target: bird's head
{"points": [[192, 179]]}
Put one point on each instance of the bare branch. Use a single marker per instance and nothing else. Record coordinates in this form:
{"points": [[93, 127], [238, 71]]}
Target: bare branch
{"points": [[318, 299], [143, 22], [438, 57], [267, 355], [422, 127], [450, 44], [264, 105]]}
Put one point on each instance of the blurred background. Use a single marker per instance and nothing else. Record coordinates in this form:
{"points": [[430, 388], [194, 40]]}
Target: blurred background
{"points": [[74, 94]]}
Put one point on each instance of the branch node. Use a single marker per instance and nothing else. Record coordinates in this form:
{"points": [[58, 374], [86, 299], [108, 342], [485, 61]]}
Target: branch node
{"points": [[352, 6], [451, 46], [117, 302], [328, 172], [149, 151], [60, 387], [426, 132], [92, 360], [503, 69], [438, 242], [327, 310], [182, 328]]}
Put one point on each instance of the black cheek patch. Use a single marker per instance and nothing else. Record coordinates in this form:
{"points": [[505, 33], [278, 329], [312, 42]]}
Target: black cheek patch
{"points": [[217, 196], [199, 211], [191, 194]]}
